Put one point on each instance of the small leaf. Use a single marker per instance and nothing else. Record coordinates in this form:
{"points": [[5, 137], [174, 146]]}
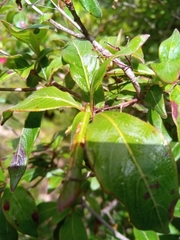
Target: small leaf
{"points": [[53, 67], [175, 108], [145, 235], [26, 142], [132, 161], [20, 211], [46, 210], [6, 230], [73, 228], [177, 210], [155, 100], [169, 55], [46, 99], [92, 6], [83, 62], [6, 75], [135, 44]]}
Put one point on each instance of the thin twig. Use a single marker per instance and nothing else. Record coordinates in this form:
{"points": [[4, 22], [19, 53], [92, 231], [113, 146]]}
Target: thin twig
{"points": [[20, 89], [117, 234], [62, 88], [54, 23]]}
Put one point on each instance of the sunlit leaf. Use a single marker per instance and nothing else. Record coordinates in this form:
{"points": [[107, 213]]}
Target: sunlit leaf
{"points": [[169, 55], [26, 142], [20, 210], [92, 6], [145, 235], [83, 62], [46, 99], [177, 210], [132, 161]]}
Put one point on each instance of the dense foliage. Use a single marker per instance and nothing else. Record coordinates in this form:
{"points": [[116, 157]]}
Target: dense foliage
{"points": [[92, 116]]}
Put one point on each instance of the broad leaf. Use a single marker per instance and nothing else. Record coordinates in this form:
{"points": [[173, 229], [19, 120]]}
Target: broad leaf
{"points": [[145, 235], [20, 210], [132, 160], [26, 142], [83, 62], [46, 99], [169, 55], [6, 230], [155, 100], [92, 6], [32, 35], [73, 228], [175, 108]]}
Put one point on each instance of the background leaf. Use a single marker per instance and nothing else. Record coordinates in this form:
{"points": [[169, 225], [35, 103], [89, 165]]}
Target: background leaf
{"points": [[145, 235], [92, 6], [20, 211], [132, 160]]}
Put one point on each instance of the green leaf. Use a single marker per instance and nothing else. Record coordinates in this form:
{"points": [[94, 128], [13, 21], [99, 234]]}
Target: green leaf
{"points": [[177, 210], [6, 230], [92, 6], [169, 55], [83, 62], [135, 44], [31, 35], [175, 108], [26, 142], [53, 67], [20, 210], [5, 75], [45, 99], [155, 100], [132, 161], [145, 235], [46, 210], [156, 120], [73, 228]]}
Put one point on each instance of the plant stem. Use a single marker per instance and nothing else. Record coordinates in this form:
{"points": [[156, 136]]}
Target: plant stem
{"points": [[117, 234]]}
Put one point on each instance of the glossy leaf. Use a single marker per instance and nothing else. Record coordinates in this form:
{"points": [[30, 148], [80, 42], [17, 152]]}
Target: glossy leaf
{"points": [[132, 160], [175, 108], [26, 142], [73, 228], [32, 35], [6, 230], [145, 235], [20, 210], [135, 44], [155, 100], [83, 62], [169, 55], [92, 6], [46, 99]]}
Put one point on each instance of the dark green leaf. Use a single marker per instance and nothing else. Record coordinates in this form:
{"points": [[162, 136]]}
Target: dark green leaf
{"points": [[155, 100], [7, 232], [132, 160], [26, 142], [92, 6], [20, 210], [46, 210], [46, 99], [83, 62], [73, 228]]}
